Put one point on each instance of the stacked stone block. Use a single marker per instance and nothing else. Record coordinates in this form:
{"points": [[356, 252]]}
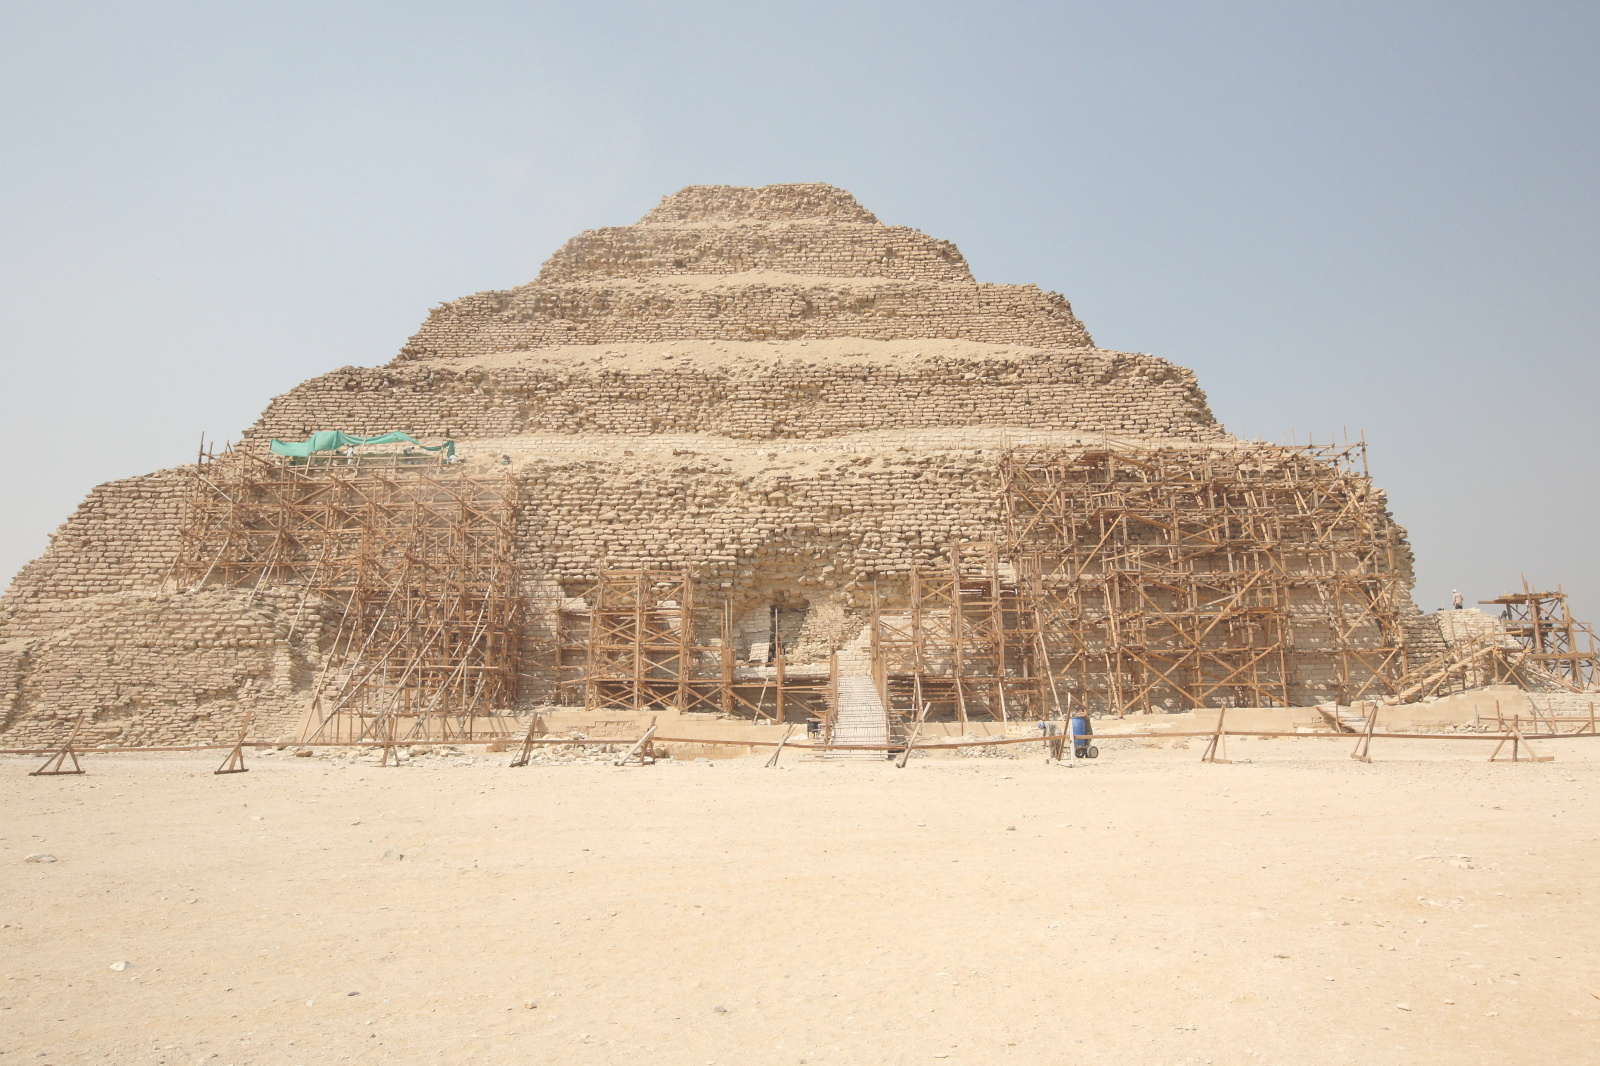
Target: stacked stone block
{"points": [[725, 318], [782, 263], [162, 669], [754, 395], [744, 308], [123, 538]]}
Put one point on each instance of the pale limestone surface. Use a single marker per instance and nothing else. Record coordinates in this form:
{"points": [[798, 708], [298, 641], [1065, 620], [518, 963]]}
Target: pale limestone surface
{"points": [[767, 385], [782, 262]]}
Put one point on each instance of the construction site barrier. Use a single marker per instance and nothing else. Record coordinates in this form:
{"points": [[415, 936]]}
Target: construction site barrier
{"points": [[514, 741]]}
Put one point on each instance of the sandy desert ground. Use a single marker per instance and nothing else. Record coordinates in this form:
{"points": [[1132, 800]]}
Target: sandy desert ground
{"points": [[1296, 908]]}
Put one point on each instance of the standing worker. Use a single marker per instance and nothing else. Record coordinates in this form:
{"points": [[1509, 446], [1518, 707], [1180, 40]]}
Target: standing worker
{"points": [[1455, 599]]}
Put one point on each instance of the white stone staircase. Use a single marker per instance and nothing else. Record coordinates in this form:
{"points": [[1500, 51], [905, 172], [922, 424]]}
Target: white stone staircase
{"points": [[861, 717]]}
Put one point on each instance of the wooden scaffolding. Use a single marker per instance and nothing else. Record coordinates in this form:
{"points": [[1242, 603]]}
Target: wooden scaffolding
{"points": [[1170, 578], [1136, 578], [647, 638], [409, 558], [963, 643], [1542, 624], [1152, 579]]}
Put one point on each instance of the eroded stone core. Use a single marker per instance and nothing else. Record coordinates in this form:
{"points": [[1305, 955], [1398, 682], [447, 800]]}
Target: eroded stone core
{"points": [[767, 385]]}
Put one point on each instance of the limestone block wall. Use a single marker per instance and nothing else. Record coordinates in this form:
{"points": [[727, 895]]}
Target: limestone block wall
{"points": [[735, 204], [123, 537], [13, 667], [1430, 635], [743, 307], [805, 531], [1423, 637], [720, 263], [1465, 626], [88, 627], [793, 247], [816, 523], [824, 518], [1089, 391], [163, 669], [820, 525], [726, 314]]}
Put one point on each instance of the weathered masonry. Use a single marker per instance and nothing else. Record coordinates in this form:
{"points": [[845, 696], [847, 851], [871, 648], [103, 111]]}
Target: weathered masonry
{"points": [[758, 455]]}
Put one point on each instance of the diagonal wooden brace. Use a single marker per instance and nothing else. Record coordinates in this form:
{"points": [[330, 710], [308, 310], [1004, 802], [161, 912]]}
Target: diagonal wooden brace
{"points": [[1217, 746], [234, 763], [55, 765], [1365, 743], [1521, 750], [916, 731], [787, 733], [535, 728], [641, 748]]}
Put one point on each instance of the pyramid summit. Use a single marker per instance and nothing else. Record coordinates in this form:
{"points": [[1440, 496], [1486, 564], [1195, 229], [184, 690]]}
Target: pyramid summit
{"points": [[740, 310], [803, 200], [784, 262], [748, 455]]}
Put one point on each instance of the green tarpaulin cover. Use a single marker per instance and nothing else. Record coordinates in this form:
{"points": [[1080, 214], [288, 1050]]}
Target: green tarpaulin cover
{"points": [[330, 440]]}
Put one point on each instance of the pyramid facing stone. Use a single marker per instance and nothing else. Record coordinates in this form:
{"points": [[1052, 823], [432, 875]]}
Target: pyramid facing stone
{"points": [[767, 389], [786, 262]]}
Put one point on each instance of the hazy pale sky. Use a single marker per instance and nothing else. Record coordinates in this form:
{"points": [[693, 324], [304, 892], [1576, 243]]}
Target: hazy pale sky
{"points": [[1375, 216]]}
